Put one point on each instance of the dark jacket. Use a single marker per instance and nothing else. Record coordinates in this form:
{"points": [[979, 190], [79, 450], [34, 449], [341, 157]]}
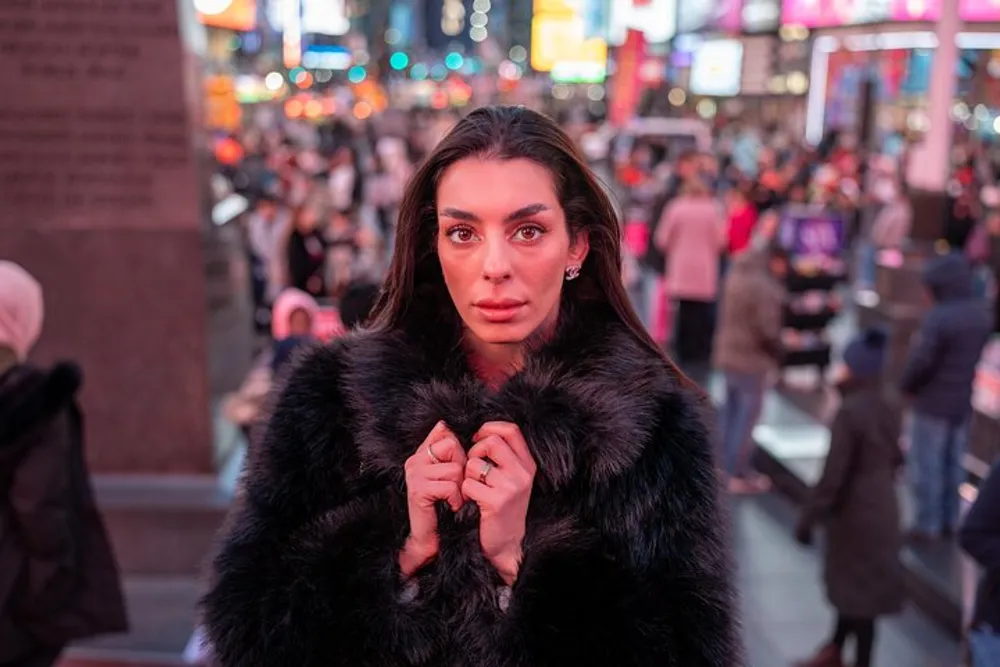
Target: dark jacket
{"points": [[945, 350], [748, 338], [58, 578], [625, 562], [856, 501], [980, 537]]}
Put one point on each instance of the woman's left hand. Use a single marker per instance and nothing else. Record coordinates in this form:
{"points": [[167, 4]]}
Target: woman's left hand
{"points": [[498, 477]]}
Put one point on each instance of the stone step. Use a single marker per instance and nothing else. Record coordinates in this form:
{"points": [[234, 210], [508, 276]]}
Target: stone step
{"points": [[161, 525]]}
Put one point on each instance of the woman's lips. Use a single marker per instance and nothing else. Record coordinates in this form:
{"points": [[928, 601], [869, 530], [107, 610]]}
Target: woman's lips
{"points": [[498, 312]]}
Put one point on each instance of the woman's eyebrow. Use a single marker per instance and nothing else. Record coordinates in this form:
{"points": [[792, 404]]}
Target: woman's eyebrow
{"points": [[519, 214]]}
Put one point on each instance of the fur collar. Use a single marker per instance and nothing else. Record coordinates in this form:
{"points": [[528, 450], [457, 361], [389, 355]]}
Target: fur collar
{"points": [[28, 395], [587, 400]]}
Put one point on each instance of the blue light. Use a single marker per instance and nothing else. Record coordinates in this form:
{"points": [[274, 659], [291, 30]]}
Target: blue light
{"points": [[399, 60], [356, 74], [454, 60]]}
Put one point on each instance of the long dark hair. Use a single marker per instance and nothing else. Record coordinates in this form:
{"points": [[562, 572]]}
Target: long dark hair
{"points": [[507, 133]]}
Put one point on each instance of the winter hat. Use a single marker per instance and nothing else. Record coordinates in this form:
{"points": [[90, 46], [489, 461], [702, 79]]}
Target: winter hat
{"points": [[865, 354], [289, 301], [22, 309]]}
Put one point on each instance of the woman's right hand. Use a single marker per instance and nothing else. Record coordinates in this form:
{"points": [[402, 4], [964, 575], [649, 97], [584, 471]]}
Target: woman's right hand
{"points": [[434, 472]]}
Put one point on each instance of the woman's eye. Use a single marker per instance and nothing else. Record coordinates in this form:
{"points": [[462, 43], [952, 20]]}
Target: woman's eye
{"points": [[461, 235], [529, 233]]}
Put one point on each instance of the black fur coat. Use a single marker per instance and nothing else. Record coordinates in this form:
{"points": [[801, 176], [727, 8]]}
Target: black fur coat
{"points": [[625, 560]]}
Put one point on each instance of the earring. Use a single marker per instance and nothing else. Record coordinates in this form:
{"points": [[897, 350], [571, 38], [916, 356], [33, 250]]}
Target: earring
{"points": [[572, 272]]}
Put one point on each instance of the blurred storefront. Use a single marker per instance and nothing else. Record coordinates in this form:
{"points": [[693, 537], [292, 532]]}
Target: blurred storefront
{"points": [[872, 64]]}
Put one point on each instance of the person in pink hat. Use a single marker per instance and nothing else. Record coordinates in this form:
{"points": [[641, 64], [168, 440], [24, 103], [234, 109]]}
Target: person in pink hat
{"points": [[58, 577]]}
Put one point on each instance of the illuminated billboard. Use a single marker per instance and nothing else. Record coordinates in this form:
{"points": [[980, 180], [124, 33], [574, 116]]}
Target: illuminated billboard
{"points": [[560, 45], [239, 15]]}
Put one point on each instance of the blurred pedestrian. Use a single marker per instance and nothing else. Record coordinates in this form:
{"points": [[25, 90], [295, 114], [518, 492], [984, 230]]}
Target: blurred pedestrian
{"points": [[58, 577], [855, 500], [692, 235], [980, 537], [748, 350], [938, 379], [291, 326], [306, 247]]}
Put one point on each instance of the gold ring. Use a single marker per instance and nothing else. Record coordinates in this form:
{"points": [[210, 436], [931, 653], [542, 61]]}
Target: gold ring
{"points": [[487, 466], [430, 453]]}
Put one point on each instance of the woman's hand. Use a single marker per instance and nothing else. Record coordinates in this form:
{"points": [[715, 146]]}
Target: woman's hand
{"points": [[498, 477], [435, 472]]}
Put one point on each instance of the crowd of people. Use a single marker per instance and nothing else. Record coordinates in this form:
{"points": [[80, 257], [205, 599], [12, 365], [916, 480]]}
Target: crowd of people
{"points": [[499, 342]]}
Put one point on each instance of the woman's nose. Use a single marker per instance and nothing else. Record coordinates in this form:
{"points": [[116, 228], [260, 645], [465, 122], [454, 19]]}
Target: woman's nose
{"points": [[496, 263]]}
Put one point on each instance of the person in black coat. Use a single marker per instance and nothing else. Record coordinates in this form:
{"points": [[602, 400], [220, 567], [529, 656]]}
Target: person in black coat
{"points": [[58, 577], [504, 469], [856, 502], [980, 537], [937, 377]]}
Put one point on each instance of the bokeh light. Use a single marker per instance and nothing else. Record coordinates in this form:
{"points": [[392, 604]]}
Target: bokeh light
{"points": [[356, 74]]}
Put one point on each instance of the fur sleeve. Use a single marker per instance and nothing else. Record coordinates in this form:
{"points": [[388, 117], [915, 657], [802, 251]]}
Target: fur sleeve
{"points": [[307, 574], [645, 577]]}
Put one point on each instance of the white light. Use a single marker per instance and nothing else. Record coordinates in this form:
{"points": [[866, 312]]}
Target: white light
{"points": [[918, 121], [451, 27], [481, 6], [960, 112], [816, 104], [392, 36], [797, 83], [981, 41], [518, 53], [561, 91], [596, 92], [479, 20], [212, 7], [677, 97], [996, 125], [982, 113], [274, 81], [707, 109], [478, 34]]}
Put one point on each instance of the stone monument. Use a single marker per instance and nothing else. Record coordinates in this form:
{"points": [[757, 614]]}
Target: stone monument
{"points": [[99, 198]]}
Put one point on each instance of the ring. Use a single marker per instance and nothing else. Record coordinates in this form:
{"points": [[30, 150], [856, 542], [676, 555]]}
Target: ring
{"points": [[430, 453], [487, 466]]}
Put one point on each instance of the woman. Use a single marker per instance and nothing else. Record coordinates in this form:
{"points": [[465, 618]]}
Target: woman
{"points": [[58, 578], [504, 469], [692, 235]]}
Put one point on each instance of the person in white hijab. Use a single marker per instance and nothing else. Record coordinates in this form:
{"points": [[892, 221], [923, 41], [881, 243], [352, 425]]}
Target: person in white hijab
{"points": [[22, 311]]}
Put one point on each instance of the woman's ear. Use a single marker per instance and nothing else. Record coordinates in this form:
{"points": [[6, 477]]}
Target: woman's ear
{"points": [[579, 247]]}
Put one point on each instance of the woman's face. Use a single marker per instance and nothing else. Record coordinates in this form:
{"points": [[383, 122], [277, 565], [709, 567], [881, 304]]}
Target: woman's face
{"points": [[504, 246]]}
